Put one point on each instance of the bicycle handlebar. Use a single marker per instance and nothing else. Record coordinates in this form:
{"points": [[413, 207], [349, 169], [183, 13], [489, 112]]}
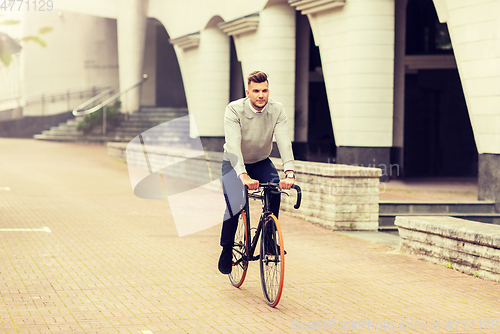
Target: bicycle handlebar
{"points": [[299, 195], [276, 185]]}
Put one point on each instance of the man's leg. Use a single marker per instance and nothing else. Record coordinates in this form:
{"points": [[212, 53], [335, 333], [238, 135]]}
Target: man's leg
{"points": [[228, 231], [234, 196], [226, 241], [235, 201]]}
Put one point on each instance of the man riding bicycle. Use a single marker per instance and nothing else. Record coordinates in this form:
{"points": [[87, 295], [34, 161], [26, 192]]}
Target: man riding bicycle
{"points": [[249, 125]]}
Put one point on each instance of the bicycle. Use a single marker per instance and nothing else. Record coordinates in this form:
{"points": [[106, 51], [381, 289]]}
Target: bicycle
{"points": [[272, 250]]}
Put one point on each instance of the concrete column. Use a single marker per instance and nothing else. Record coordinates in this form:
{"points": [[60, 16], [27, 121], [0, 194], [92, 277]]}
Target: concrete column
{"points": [[212, 86], [272, 49], [356, 43], [131, 23], [302, 79], [237, 89], [204, 60], [148, 90], [399, 81], [473, 28]]}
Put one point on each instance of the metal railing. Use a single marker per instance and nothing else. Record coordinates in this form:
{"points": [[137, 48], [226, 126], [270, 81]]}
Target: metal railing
{"points": [[21, 100], [103, 105]]}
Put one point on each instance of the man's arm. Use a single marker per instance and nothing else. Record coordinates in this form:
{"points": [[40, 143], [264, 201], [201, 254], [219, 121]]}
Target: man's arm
{"points": [[232, 133], [282, 136]]}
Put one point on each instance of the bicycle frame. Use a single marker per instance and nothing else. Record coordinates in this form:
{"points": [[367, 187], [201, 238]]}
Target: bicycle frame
{"points": [[266, 211]]}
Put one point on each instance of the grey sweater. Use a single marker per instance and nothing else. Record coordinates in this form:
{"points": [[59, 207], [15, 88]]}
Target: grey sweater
{"points": [[249, 135]]}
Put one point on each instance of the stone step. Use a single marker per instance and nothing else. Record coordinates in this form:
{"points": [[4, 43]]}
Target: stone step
{"points": [[138, 130], [149, 135], [71, 122], [163, 109], [63, 126], [438, 207], [481, 211], [139, 122], [148, 125], [463, 245], [166, 139], [156, 115], [161, 112], [135, 127], [386, 222], [62, 133], [151, 119], [98, 139], [56, 130], [151, 125], [161, 141]]}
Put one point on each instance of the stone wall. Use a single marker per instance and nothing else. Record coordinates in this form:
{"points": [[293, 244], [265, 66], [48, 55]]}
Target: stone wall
{"points": [[338, 197], [468, 246], [27, 127]]}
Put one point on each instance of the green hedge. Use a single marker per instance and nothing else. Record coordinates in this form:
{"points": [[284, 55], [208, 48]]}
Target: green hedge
{"points": [[95, 119]]}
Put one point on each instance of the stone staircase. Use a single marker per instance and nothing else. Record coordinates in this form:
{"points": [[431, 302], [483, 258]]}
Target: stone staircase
{"points": [[138, 122], [63, 132], [481, 211], [146, 119]]}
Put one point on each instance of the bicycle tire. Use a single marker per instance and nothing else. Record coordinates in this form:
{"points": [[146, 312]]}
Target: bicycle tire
{"points": [[240, 251], [272, 261]]}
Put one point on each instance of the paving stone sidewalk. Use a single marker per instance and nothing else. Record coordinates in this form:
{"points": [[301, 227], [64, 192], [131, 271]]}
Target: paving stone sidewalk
{"points": [[112, 263]]}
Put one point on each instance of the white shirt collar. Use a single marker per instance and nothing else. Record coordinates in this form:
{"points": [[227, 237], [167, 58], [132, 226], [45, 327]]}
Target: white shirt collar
{"points": [[255, 110]]}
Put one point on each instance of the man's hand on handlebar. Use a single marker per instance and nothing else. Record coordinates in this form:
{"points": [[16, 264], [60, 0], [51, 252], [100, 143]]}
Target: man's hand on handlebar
{"points": [[287, 183], [249, 182]]}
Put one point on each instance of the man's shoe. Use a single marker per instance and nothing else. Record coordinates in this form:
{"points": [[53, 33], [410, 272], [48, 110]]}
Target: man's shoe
{"points": [[226, 260]]}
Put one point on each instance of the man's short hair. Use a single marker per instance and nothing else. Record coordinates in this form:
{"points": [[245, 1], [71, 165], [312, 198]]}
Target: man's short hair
{"points": [[258, 77]]}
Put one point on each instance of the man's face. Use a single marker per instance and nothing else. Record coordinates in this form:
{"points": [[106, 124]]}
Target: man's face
{"points": [[258, 92]]}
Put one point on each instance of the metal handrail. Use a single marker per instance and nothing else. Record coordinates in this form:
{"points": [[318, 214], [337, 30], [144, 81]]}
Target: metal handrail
{"points": [[22, 100], [60, 92], [92, 100], [103, 105], [77, 112]]}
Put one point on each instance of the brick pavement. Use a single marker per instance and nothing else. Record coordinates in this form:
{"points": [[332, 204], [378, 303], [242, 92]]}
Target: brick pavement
{"points": [[114, 264]]}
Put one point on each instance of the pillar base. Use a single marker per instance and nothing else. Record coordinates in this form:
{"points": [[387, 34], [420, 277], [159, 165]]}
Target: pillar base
{"points": [[213, 144], [488, 183], [379, 157]]}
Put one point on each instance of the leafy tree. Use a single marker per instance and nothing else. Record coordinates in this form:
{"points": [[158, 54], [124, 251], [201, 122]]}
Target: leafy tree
{"points": [[10, 46]]}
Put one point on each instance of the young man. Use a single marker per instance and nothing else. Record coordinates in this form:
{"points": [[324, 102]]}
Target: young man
{"points": [[249, 126]]}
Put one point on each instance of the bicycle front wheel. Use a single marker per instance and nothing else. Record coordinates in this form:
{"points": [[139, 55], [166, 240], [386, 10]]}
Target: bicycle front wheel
{"points": [[272, 261], [240, 251]]}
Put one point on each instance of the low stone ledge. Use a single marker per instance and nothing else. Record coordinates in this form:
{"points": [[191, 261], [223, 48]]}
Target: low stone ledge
{"points": [[468, 246], [339, 197]]}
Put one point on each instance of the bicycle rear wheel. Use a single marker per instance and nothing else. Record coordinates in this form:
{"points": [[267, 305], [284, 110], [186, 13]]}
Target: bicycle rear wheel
{"points": [[272, 261], [240, 250]]}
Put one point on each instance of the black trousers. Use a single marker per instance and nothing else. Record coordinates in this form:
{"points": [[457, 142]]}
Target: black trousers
{"points": [[263, 171]]}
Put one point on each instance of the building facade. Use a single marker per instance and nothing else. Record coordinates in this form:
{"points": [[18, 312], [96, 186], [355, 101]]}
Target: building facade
{"points": [[410, 86]]}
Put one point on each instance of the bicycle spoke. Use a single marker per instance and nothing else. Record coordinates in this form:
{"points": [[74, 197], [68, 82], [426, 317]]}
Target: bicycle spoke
{"points": [[272, 261], [240, 249]]}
